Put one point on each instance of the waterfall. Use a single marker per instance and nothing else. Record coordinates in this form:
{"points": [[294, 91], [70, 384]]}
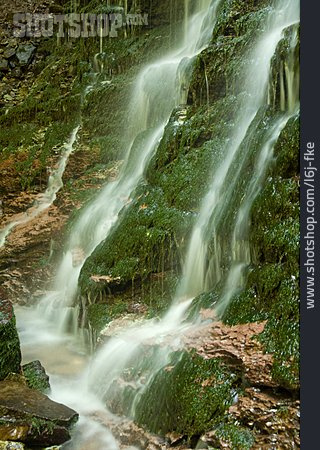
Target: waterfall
{"points": [[155, 94], [46, 199], [121, 362], [200, 273], [109, 370]]}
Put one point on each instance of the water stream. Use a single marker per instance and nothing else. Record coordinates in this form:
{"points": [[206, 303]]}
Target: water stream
{"points": [[84, 383], [46, 199], [156, 92]]}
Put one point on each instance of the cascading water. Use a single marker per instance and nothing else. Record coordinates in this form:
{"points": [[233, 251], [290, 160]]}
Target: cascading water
{"points": [[45, 200], [200, 274], [112, 364], [156, 93], [154, 96]]}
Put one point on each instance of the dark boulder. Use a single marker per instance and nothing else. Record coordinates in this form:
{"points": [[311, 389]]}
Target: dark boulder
{"points": [[29, 416]]}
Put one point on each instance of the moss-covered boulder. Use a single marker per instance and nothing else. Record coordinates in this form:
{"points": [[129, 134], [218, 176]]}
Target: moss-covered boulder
{"points": [[188, 396], [10, 354]]}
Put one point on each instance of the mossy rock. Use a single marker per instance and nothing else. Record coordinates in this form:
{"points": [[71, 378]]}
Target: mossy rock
{"points": [[188, 396], [287, 150], [235, 436], [151, 233], [220, 68], [141, 243], [36, 376], [10, 353], [275, 222]]}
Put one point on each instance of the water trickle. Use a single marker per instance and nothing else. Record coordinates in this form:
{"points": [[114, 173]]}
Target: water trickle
{"points": [[45, 200]]}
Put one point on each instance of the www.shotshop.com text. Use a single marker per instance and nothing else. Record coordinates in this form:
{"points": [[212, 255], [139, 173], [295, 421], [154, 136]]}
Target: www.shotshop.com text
{"points": [[309, 206]]}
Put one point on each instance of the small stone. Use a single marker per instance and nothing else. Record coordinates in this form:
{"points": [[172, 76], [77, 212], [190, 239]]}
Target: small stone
{"points": [[9, 53], [25, 54], [3, 65]]}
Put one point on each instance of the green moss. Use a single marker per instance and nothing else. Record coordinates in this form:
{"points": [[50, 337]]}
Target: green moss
{"points": [[36, 377], [275, 222], [187, 154], [140, 244], [40, 426], [10, 354], [100, 314], [287, 149], [158, 293], [188, 396], [281, 335], [236, 437]]}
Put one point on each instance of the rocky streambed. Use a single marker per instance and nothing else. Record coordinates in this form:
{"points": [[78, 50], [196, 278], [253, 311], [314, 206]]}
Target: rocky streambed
{"points": [[260, 404], [27, 415]]}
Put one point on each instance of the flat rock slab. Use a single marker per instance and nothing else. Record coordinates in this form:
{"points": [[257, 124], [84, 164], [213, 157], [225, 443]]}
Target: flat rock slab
{"points": [[29, 416], [20, 401]]}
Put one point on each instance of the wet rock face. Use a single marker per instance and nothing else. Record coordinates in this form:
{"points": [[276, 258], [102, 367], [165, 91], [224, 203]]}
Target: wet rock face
{"points": [[28, 416], [10, 354]]}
